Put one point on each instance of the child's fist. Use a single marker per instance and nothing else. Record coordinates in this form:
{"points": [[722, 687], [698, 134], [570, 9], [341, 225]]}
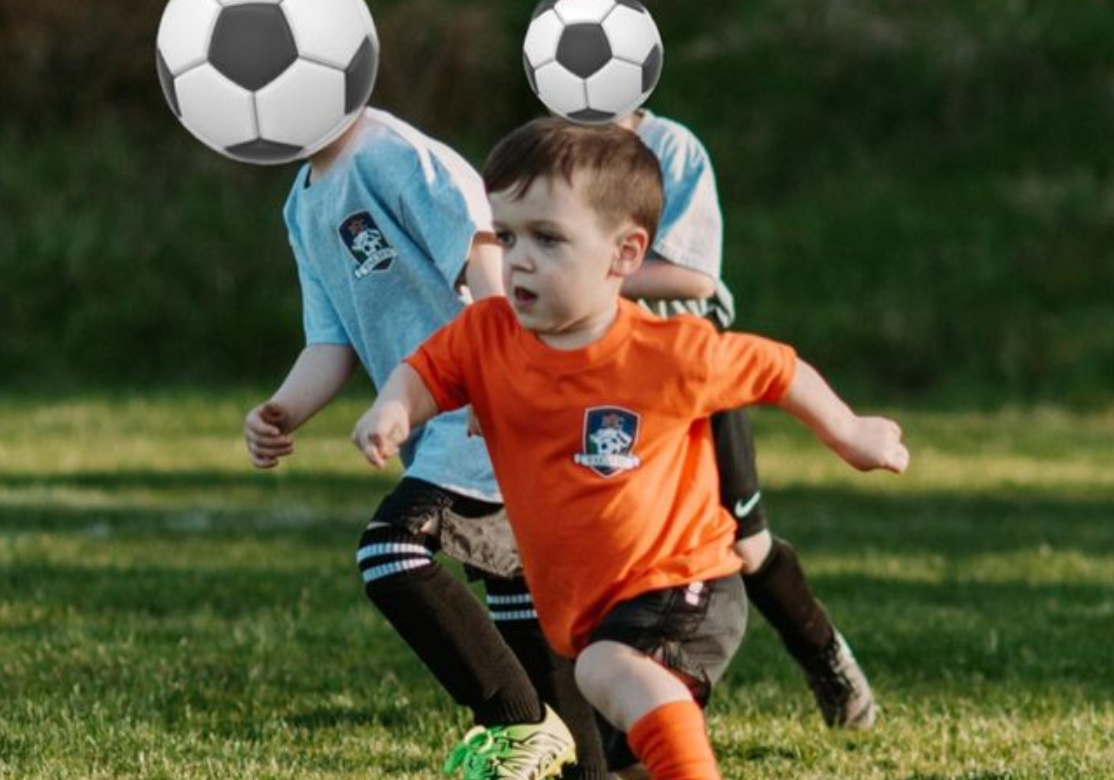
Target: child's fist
{"points": [[266, 430], [380, 433], [274, 414], [875, 443]]}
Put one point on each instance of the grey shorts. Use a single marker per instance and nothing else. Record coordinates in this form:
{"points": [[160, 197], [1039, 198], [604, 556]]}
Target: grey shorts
{"points": [[473, 532], [692, 629]]}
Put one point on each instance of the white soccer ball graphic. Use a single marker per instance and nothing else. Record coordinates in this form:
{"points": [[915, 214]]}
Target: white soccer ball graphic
{"points": [[611, 441], [267, 81], [592, 60]]}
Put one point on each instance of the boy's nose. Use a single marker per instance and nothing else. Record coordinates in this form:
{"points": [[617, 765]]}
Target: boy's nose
{"points": [[518, 259]]}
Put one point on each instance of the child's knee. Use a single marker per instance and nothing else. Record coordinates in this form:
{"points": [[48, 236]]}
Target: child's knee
{"points": [[586, 671], [597, 668]]}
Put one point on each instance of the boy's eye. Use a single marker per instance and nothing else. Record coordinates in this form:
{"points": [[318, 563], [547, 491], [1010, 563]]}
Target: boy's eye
{"points": [[505, 238], [547, 239]]}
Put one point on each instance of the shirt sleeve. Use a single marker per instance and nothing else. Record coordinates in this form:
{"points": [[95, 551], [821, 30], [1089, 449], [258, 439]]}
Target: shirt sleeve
{"points": [[690, 232], [744, 369], [439, 200], [320, 320], [440, 361]]}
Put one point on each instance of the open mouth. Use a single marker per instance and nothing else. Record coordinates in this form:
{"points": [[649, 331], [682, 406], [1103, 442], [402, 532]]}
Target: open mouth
{"points": [[522, 296]]}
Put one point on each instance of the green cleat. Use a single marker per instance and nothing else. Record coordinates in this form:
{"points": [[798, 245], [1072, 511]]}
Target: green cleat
{"points": [[525, 751]]}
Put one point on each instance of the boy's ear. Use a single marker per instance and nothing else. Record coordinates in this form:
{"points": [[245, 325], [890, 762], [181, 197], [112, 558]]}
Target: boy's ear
{"points": [[632, 246]]}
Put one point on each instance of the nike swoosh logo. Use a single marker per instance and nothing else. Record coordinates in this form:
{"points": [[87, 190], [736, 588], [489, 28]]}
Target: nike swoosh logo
{"points": [[742, 509]]}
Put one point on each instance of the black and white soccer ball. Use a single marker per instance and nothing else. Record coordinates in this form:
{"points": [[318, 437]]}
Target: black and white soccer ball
{"points": [[592, 61], [267, 81]]}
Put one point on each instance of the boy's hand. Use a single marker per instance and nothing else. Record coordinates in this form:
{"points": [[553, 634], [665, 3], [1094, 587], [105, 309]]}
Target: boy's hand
{"points": [[380, 432], [266, 433], [874, 443]]}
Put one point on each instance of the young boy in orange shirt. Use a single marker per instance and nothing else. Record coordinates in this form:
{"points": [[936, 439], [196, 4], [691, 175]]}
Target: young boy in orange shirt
{"points": [[595, 414]]}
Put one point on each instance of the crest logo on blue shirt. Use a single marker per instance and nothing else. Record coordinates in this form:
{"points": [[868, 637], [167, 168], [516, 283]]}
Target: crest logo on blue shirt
{"points": [[367, 244], [610, 433]]}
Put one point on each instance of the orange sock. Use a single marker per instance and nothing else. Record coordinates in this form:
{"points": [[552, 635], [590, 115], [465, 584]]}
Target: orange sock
{"points": [[672, 743]]}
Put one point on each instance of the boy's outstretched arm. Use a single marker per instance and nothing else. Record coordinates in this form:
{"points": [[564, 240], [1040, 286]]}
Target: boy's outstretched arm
{"points": [[864, 442], [315, 378], [403, 403]]}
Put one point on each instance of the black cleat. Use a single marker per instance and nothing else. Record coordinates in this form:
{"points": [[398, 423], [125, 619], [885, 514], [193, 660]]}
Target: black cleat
{"points": [[840, 687]]}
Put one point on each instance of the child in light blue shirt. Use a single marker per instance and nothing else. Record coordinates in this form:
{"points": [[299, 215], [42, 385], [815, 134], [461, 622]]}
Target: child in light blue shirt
{"points": [[382, 243], [392, 236]]}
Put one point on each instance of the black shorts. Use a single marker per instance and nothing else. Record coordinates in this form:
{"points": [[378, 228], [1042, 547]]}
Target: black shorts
{"points": [[692, 629], [472, 531], [738, 471]]}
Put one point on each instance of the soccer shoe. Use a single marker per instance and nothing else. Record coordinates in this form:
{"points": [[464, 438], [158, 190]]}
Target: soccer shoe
{"points": [[525, 751], [840, 687]]}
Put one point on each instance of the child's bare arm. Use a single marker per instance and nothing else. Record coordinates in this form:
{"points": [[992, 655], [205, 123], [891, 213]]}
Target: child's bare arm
{"points": [[484, 272], [659, 280], [403, 403], [315, 378], [864, 442]]}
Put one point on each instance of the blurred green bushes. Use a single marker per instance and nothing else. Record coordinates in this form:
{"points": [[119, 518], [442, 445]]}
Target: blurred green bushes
{"points": [[919, 195]]}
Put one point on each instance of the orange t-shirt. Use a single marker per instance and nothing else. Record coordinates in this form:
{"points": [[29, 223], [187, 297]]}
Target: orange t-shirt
{"points": [[604, 454]]}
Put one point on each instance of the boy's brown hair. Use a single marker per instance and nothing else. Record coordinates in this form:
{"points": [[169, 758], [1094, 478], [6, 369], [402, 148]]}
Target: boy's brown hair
{"points": [[624, 178]]}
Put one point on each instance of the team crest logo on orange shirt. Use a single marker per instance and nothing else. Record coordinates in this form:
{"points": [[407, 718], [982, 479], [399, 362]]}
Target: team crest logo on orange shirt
{"points": [[610, 433]]}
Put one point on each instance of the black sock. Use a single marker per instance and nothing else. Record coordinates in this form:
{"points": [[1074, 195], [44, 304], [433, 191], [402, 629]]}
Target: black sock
{"points": [[781, 593], [551, 674], [447, 627]]}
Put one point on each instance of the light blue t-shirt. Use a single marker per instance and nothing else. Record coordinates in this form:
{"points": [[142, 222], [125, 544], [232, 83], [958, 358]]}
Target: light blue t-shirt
{"points": [[381, 240], [690, 232]]}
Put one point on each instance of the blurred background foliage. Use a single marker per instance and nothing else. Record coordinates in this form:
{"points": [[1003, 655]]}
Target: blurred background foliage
{"points": [[919, 195]]}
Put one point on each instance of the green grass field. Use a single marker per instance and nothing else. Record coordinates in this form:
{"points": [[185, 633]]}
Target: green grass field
{"points": [[167, 613]]}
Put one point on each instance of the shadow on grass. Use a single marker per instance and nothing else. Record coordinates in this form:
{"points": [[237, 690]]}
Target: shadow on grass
{"points": [[966, 639], [838, 522], [818, 520], [188, 502], [120, 479], [939, 623], [923, 639]]}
